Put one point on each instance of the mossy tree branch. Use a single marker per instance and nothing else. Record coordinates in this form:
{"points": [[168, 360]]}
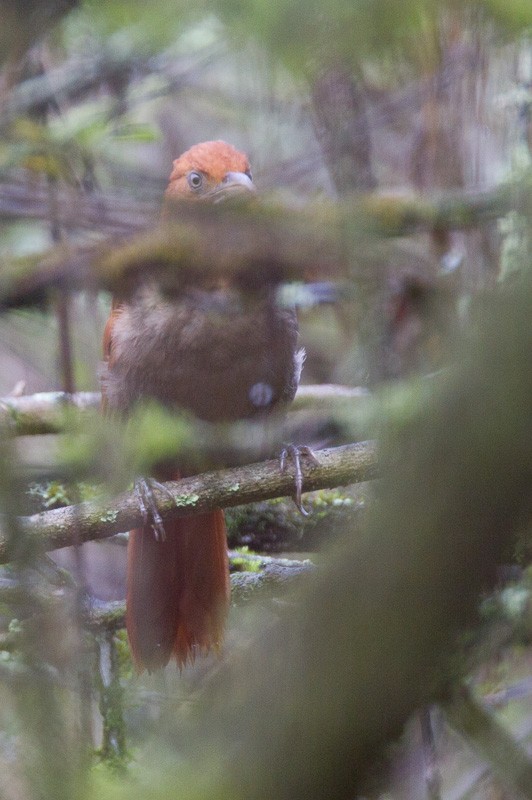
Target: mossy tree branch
{"points": [[253, 245], [98, 520], [267, 573], [43, 412]]}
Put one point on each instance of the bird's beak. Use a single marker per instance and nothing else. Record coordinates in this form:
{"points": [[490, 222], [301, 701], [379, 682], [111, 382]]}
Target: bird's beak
{"points": [[234, 184]]}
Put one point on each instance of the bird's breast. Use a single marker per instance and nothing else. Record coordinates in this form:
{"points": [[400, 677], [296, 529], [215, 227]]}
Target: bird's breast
{"points": [[218, 354]]}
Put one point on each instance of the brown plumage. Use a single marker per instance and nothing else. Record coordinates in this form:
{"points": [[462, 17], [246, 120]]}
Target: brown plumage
{"points": [[223, 358]]}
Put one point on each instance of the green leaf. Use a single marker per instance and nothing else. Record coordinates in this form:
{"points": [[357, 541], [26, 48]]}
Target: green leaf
{"points": [[136, 132]]}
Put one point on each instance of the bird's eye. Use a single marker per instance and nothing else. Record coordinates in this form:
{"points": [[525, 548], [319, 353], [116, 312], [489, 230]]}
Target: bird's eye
{"points": [[195, 179]]}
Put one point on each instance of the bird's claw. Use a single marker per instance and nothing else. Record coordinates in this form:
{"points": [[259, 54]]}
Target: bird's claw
{"points": [[295, 453], [148, 505]]}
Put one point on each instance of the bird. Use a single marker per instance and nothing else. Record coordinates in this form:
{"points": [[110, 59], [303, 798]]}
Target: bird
{"points": [[211, 352]]}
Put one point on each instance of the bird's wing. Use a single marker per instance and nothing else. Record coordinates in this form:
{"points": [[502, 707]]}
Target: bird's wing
{"points": [[117, 309]]}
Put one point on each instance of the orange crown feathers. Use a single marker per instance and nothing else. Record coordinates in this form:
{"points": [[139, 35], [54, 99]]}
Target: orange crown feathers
{"points": [[214, 159]]}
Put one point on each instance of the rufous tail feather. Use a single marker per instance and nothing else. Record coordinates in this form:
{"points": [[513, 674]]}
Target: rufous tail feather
{"points": [[178, 590]]}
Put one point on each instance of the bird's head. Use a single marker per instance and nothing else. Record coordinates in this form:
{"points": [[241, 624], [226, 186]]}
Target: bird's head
{"points": [[210, 171]]}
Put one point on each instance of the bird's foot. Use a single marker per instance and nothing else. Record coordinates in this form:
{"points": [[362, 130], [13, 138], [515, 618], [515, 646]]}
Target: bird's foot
{"points": [[295, 453], [148, 505]]}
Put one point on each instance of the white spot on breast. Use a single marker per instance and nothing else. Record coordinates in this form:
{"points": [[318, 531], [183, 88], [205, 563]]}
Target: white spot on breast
{"points": [[261, 395]]}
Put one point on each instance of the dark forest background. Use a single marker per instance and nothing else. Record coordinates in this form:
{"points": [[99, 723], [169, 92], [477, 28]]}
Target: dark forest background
{"points": [[381, 647]]}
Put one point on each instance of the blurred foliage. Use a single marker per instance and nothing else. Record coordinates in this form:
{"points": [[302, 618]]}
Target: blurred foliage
{"points": [[134, 24], [402, 34], [97, 99]]}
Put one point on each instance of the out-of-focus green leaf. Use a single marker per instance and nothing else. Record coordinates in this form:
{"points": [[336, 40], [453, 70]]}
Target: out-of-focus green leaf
{"points": [[514, 14], [320, 33], [84, 123], [148, 25], [136, 132]]}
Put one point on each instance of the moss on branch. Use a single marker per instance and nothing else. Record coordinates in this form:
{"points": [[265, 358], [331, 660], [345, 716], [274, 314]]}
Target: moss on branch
{"points": [[43, 412], [98, 520], [254, 245], [269, 573]]}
